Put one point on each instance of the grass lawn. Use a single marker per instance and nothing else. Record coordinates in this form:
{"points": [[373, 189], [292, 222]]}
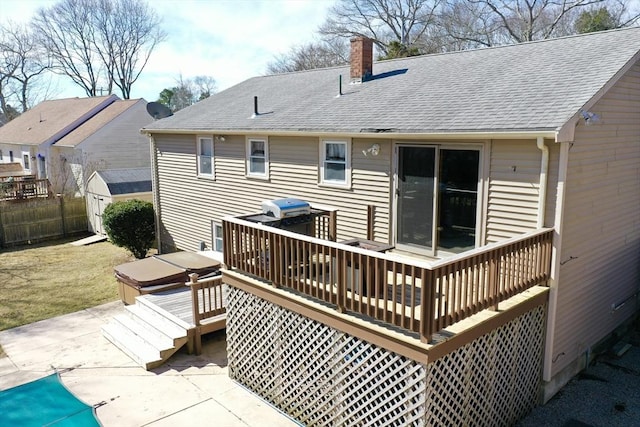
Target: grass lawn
{"points": [[49, 279]]}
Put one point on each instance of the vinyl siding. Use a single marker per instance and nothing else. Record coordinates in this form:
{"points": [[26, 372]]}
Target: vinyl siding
{"points": [[514, 182], [189, 203], [601, 236]]}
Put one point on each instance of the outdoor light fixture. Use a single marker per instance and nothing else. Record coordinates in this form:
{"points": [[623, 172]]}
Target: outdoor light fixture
{"points": [[589, 117], [374, 150], [220, 138]]}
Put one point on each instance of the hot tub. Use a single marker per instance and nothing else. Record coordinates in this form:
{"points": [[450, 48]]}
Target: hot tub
{"points": [[160, 273]]}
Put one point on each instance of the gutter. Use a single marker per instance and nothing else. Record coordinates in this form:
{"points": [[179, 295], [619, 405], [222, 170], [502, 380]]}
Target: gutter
{"points": [[155, 189], [549, 357], [544, 171], [391, 134]]}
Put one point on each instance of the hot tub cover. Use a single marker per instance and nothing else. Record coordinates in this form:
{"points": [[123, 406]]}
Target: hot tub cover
{"points": [[165, 269]]}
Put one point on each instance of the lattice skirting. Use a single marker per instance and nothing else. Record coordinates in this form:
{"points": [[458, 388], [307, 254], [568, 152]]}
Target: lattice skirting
{"points": [[324, 377]]}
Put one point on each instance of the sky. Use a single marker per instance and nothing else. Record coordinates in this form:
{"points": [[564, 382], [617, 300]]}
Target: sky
{"points": [[229, 40]]}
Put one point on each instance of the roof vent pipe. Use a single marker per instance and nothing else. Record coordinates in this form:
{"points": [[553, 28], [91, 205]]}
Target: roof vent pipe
{"points": [[255, 106], [339, 86]]}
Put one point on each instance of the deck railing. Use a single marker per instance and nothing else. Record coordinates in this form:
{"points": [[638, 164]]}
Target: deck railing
{"points": [[207, 296], [25, 189], [418, 296]]}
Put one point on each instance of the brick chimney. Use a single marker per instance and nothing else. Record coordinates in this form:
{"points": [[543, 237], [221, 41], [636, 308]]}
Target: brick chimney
{"points": [[361, 59]]}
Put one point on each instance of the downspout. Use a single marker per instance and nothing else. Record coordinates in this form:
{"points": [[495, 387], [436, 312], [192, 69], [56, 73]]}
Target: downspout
{"points": [[549, 356], [154, 187], [544, 170]]}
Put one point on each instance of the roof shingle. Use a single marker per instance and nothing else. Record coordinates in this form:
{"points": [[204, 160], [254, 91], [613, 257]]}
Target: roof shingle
{"points": [[524, 87]]}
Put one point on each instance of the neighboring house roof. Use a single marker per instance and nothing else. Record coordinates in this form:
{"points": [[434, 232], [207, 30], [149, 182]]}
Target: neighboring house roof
{"points": [[536, 86], [12, 169], [49, 121], [126, 181], [96, 122]]}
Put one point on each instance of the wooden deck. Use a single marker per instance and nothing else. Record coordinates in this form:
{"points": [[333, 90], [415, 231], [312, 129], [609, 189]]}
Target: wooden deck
{"points": [[176, 302], [210, 295]]}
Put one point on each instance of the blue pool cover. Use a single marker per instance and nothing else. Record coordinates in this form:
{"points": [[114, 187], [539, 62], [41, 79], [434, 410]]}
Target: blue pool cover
{"points": [[44, 402]]}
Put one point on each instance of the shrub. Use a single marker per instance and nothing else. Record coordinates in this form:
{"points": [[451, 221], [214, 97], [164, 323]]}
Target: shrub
{"points": [[131, 225]]}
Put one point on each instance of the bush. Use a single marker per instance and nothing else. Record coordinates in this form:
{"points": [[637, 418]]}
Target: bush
{"points": [[131, 225]]}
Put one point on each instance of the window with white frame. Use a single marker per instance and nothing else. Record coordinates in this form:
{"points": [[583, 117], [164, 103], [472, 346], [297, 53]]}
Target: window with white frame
{"points": [[205, 156], [336, 163], [217, 237], [258, 157], [25, 160]]}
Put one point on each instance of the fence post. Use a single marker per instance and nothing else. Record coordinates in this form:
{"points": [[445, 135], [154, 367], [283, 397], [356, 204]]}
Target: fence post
{"points": [[62, 220]]}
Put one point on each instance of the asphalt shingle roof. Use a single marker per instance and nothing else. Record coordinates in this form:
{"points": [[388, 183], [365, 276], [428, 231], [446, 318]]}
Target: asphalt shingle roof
{"points": [[127, 181], [51, 119], [530, 86]]}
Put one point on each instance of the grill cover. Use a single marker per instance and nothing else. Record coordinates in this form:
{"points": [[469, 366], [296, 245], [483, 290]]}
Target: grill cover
{"points": [[282, 208]]}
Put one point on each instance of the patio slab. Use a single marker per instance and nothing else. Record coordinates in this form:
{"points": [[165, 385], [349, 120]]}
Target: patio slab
{"points": [[187, 389]]}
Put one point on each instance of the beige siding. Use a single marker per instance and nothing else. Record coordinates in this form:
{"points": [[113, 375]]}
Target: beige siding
{"points": [[189, 203], [514, 181], [601, 236]]}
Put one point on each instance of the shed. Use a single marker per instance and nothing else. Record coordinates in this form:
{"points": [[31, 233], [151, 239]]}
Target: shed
{"points": [[115, 185]]}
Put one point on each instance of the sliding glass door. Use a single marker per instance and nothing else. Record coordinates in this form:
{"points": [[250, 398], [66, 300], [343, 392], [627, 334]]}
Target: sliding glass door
{"points": [[437, 199]]}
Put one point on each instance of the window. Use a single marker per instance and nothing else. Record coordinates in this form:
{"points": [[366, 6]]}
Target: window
{"points": [[335, 168], [1, 155], [11, 156], [217, 237], [205, 156], [25, 159], [257, 157]]}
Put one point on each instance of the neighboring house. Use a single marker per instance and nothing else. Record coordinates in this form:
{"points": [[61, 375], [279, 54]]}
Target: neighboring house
{"points": [[114, 185], [446, 157], [65, 140]]}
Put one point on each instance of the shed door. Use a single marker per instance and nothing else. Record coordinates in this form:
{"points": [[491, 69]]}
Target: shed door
{"points": [[97, 207], [436, 199]]}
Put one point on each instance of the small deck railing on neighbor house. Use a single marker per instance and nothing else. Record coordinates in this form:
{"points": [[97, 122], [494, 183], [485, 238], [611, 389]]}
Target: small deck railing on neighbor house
{"points": [[414, 295], [25, 189]]}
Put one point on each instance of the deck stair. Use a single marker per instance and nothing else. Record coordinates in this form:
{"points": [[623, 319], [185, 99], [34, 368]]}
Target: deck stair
{"points": [[146, 333]]}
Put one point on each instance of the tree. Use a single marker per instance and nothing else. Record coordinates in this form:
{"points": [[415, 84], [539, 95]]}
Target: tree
{"points": [[22, 64], [320, 54], [130, 224], [396, 49], [99, 42], [187, 92], [384, 21], [595, 20]]}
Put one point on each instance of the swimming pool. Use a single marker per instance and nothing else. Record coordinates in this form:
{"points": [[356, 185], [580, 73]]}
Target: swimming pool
{"points": [[44, 402]]}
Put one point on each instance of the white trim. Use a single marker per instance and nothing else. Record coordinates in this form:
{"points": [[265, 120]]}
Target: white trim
{"points": [[215, 237], [248, 157], [347, 163], [199, 140]]}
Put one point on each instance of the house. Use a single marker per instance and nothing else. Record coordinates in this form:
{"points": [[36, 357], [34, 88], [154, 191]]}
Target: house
{"points": [[505, 178], [65, 140], [114, 185]]}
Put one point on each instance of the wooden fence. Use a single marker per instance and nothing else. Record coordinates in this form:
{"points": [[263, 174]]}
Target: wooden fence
{"points": [[36, 220], [413, 295]]}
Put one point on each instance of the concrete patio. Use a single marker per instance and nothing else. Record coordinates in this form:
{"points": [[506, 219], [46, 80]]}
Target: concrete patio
{"points": [[187, 390]]}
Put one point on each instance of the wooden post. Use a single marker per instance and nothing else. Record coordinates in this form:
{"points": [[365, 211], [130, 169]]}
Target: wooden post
{"points": [[195, 308], [370, 221], [333, 226], [62, 219]]}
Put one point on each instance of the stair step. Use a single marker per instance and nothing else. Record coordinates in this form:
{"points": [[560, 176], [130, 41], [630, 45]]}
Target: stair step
{"points": [[145, 304], [156, 321], [140, 351], [145, 331]]}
